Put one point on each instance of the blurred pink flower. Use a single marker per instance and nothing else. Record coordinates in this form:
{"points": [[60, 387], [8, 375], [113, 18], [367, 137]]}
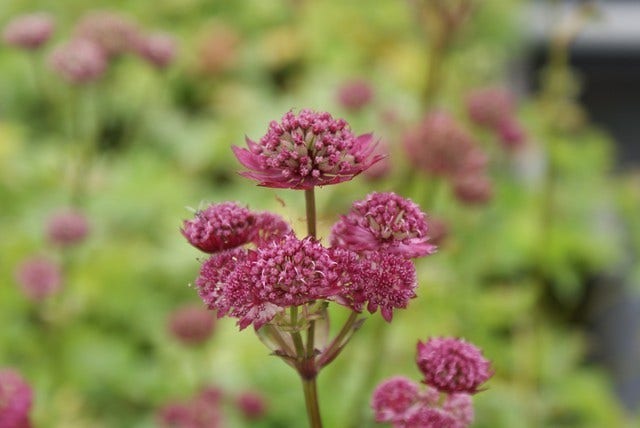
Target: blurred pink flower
{"points": [[15, 400], [39, 278], [78, 61], [489, 106], [114, 33], [67, 227], [430, 417], [383, 222], [355, 94], [157, 49], [461, 407], [306, 150], [269, 227], [512, 134], [393, 398], [473, 189], [191, 324], [29, 31], [201, 411], [252, 405], [452, 365]]}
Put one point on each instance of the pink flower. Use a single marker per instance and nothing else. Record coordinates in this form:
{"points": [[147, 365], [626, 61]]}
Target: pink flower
{"points": [[191, 324], [115, 34], [441, 147], [461, 407], [252, 405], [78, 61], [393, 398], [284, 273], [201, 411], [157, 49], [39, 278], [473, 189], [383, 222], [306, 150], [67, 227], [511, 133], [355, 94], [452, 365], [269, 227], [213, 277], [489, 106], [220, 227], [28, 31], [429, 417], [15, 400]]}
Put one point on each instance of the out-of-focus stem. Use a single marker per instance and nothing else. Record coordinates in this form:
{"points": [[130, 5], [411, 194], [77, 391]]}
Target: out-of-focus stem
{"points": [[311, 400], [310, 203]]}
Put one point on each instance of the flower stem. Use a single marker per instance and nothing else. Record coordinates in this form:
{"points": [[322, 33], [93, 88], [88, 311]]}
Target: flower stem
{"points": [[295, 333], [310, 203], [311, 401], [334, 347]]}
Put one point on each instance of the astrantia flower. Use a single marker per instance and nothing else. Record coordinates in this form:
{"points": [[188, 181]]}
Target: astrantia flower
{"points": [[393, 398], [383, 222], [191, 324], [269, 227], [252, 405], [157, 49], [306, 150], [201, 411], [15, 400], [220, 227], [472, 189], [67, 227], [428, 417], [78, 61], [114, 33], [439, 145], [284, 273], [28, 31], [452, 365], [355, 94], [213, 276], [489, 106], [511, 133], [39, 278], [461, 407]]}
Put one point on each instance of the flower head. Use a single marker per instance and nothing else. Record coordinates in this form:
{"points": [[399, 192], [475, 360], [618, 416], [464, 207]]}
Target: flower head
{"points": [[213, 276], [392, 399], [157, 49], [306, 150], [511, 133], [191, 324], [28, 31], [284, 273], [355, 94], [429, 417], [201, 411], [269, 227], [472, 189], [15, 400], [220, 227], [67, 227], [252, 405], [383, 222], [39, 278], [115, 34], [440, 146], [461, 407], [489, 106], [452, 365], [78, 61]]}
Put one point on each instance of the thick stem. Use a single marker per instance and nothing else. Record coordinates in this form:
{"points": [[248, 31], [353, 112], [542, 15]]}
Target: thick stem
{"points": [[310, 203], [311, 401], [295, 334]]}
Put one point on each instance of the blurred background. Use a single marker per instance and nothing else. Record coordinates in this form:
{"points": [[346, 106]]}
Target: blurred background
{"points": [[117, 120]]}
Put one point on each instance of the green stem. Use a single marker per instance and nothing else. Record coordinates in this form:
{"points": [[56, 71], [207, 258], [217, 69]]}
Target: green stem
{"points": [[310, 203], [311, 401], [295, 333], [334, 348]]}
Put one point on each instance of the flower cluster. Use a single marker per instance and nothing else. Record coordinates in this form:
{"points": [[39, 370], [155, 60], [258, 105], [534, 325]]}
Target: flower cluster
{"points": [[39, 278], [355, 94], [440, 146], [191, 325], [453, 370], [494, 108], [67, 227], [306, 150], [368, 264], [15, 400]]}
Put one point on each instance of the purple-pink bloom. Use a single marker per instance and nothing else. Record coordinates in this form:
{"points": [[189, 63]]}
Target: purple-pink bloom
{"points": [[157, 49], [429, 417], [252, 405], [306, 150], [284, 273], [214, 273], [384, 222], [39, 278], [29, 31], [67, 227], [220, 227], [511, 133], [472, 189], [114, 33], [452, 365], [269, 227], [201, 411], [392, 399], [191, 324], [355, 94], [461, 407], [78, 61], [489, 106], [15, 400]]}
